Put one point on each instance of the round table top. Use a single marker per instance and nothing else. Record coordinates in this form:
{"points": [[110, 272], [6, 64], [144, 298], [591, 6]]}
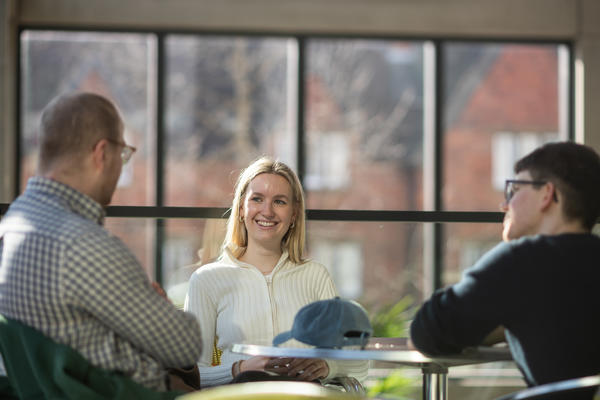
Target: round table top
{"points": [[380, 352]]}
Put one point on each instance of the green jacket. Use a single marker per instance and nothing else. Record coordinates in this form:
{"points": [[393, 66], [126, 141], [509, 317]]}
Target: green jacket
{"points": [[39, 368]]}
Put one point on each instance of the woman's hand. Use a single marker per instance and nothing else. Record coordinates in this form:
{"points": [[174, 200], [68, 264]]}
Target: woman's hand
{"points": [[256, 363], [304, 369], [279, 365]]}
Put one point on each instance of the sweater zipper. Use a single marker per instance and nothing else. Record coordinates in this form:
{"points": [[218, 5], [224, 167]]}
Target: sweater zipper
{"points": [[269, 280]]}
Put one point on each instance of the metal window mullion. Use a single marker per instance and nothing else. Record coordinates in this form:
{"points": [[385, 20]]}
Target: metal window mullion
{"points": [[159, 226], [18, 120], [571, 92], [438, 255], [432, 165], [300, 109]]}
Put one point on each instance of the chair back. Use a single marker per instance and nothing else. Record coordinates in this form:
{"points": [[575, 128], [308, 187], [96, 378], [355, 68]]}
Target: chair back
{"points": [[569, 388], [350, 384], [39, 368], [270, 390]]}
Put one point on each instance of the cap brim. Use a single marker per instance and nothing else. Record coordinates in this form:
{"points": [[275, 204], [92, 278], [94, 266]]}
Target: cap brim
{"points": [[282, 337]]}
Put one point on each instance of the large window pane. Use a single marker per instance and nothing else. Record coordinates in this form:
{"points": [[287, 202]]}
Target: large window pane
{"points": [[501, 101], [376, 263], [364, 102], [138, 236], [118, 66], [189, 244], [486, 381], [465, 243], [228, 101]]}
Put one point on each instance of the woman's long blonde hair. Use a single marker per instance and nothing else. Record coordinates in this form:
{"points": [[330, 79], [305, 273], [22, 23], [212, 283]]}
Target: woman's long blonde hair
{"points": [[236, 238]]}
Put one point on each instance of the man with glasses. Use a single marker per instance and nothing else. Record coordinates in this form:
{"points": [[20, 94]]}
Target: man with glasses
{"points": [[63, 274], [538, 289]]}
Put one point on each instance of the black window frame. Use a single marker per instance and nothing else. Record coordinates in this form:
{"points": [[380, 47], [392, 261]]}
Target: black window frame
{"points": [[436, 217]]}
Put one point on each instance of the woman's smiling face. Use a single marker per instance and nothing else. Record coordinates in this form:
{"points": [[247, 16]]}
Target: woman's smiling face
{"points": [[268, 210]]}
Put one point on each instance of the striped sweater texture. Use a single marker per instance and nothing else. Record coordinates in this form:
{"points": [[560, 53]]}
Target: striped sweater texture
{"points": [[235, 303]]}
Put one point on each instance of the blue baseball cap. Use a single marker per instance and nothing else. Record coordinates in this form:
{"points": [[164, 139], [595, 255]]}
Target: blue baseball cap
{"points": [[332, 323]]}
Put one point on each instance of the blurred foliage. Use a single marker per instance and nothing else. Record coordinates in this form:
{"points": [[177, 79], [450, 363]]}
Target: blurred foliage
{"points": [[392, 319], [396, 385]]}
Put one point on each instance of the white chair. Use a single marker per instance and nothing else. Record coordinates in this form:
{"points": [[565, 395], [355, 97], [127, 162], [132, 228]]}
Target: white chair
{"points": [[566, 387], [349, 384], [271, 390]]}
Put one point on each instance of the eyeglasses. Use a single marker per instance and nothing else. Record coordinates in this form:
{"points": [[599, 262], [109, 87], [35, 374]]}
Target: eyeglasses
{"points": [[127, 151], [509, 188]]}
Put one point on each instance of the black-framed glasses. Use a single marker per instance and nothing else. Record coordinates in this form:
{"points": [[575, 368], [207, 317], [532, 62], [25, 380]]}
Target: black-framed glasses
{"points": [[509, 188], [127, 151]]}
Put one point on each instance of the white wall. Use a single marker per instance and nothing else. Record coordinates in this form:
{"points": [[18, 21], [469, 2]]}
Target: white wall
{"points": [[575, 20]]}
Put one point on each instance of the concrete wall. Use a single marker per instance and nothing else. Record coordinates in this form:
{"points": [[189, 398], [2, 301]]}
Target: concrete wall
{"points": [[533, 18], [573, 20], [7, 98], [588, 74]]}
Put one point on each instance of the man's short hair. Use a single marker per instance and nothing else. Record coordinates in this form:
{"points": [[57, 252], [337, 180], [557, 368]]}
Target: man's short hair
{"points": [[72, 124], [575, 171]]}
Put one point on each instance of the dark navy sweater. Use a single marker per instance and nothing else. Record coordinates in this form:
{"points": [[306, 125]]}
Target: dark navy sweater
{"points": [[545, 290]]}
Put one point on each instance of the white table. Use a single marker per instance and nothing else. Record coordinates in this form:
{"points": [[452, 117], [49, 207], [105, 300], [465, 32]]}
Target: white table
{"points": [[435, 369]]}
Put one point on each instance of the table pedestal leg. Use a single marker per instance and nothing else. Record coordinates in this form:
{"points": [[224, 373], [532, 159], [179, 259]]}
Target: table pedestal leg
{"points": [[435, 383]]}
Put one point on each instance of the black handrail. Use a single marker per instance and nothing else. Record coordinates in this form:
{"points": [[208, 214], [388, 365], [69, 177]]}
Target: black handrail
{"points": [[311, 215]]}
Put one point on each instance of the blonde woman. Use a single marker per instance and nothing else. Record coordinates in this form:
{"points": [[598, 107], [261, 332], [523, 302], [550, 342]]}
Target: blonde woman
{"points": [[260, 281]]}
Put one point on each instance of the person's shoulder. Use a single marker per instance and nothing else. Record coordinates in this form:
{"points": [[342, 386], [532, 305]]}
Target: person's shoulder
{"points": [[310, 266], [496, 259], [523, 244], [311, 263], [526, 245], [217, 267], [213, 276], [532, 240], [547, 242], [47, 218], [527, 251], [502, 249], [86, 231], [574, 238], [75, 226]]}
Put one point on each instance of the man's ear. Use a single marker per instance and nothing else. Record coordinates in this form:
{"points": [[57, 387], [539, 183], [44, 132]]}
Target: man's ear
{"points": [[99, 154], [549, 190]]}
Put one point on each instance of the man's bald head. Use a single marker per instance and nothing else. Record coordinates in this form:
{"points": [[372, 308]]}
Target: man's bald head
{"points": [[71, 125]]}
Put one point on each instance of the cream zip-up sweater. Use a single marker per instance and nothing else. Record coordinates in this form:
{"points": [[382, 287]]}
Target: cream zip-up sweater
{"points": [[236, 303]]}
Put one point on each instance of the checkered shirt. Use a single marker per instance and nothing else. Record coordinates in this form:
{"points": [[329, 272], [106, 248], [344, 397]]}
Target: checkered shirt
{"points": [[62, 273]]}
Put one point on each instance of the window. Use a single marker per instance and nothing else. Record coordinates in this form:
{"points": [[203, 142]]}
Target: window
{"points": [[501, 100], [364, 121], [376, 262], [189, 244], [508, 148], [378, 130], [464, 245], [328, 162], [227, 102], [344, 261], [120, 66]]}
